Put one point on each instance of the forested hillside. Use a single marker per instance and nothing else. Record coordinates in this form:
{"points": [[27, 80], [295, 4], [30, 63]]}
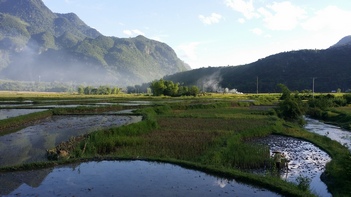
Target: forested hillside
{"points": [[329, 69]]}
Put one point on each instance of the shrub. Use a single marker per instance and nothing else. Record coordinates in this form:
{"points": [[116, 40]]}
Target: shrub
{"points": [[303, 183]]}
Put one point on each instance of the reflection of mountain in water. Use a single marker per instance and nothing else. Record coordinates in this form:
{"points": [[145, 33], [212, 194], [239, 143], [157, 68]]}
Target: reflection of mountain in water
{"points": [[124, 178], [10, 181]]}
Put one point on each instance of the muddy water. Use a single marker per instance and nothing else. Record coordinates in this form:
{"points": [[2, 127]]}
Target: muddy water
{"points": [[123, 178], [30, 144], [9, 113]]}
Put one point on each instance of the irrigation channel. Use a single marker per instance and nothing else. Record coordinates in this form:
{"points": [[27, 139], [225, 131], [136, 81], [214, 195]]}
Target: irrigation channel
{"points": [[135, 178]]}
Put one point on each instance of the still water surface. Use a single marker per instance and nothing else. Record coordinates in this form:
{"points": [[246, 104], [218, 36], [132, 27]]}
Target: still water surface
{"points": [[9, 113], [30, 144], [126, 178]]}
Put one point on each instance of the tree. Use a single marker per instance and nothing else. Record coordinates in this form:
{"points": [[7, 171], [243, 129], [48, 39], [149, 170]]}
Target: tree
{"points": [[171, 88], [116, 90], [285, 91], [87, 90], [292, 107], [194, 90], [80, 90], [158, 87]]}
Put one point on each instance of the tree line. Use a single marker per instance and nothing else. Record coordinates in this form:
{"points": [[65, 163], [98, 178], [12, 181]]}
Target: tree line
{"points": [[101, 90], [168, 88]]}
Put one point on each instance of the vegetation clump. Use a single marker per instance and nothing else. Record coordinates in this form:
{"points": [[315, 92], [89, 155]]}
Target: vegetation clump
{"points": [[291, 108], [168, 88]]}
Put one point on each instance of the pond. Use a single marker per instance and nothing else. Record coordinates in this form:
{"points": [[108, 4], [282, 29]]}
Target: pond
{"points": [[30, 144], [9, 113], [123, 178]]}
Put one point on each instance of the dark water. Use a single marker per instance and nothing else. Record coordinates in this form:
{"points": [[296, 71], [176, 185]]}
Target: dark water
{"points": [[123, 178]]}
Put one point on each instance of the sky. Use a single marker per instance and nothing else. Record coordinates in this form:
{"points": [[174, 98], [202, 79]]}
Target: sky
{"points": [[214, 33]]}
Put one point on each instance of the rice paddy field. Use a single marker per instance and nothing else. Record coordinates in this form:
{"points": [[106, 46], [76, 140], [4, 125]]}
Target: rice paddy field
{"points": [[208, 133]]}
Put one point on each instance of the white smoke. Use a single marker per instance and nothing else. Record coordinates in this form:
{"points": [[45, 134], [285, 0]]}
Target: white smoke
{"points": [[211, 84]]}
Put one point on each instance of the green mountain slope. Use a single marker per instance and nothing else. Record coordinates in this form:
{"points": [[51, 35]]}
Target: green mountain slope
{"points": [[37, 44], [330, 69]]}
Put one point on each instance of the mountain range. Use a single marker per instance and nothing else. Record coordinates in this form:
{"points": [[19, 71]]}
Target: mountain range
{"points": [[323, 70], [39, 45]]}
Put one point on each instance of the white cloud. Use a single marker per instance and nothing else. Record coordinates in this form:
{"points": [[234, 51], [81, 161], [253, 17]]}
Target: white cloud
{"points": [[212, 19], [134, 32], [138, 32], [257, 31], [330, 18], [241, 20], [327, 26], [127, 32], [244, 7], [282, 16], [188, 51]]}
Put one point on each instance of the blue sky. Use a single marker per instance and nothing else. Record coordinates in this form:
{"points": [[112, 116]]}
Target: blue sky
{"points": [[218, 32]]}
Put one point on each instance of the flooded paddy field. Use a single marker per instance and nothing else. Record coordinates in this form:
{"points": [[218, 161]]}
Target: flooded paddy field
{"points": [[123, 178], [107, 177], [305, 159], [10, 113], [30, 144]]}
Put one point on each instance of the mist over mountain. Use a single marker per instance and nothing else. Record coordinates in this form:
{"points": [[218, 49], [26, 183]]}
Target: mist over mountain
{"points": [[39, 45], [329, 69]]}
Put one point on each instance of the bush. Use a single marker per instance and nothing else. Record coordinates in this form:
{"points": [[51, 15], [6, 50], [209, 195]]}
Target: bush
{"points": [[303, 183]]}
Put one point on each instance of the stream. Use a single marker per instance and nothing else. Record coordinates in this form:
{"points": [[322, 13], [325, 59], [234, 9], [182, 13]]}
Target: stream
{"points": [[333, 132]]}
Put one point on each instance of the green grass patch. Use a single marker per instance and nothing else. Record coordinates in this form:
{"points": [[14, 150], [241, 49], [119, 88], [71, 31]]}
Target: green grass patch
{"points": [[12, 124], [209, 136]]}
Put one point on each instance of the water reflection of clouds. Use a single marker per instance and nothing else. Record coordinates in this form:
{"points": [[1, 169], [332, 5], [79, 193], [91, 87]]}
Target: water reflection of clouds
{"points": [[305, 159], [9, 113], [135, 178], [221, 182]]}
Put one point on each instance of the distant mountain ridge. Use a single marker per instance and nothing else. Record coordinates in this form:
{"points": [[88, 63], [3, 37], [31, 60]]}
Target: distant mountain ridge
{"points": [[344, 41], [37, 44], [329, 69]]}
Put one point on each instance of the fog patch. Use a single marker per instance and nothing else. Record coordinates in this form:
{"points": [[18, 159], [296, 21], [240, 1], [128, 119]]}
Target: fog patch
{"points": [[34, 64]]}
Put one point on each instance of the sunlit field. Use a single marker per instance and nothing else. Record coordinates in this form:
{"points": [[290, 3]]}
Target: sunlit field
{"points": [[210, 132]]}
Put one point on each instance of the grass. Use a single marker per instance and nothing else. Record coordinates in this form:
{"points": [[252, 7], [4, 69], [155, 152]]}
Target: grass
{"points": [[208, 135], [15, 123], [215, 143]]}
